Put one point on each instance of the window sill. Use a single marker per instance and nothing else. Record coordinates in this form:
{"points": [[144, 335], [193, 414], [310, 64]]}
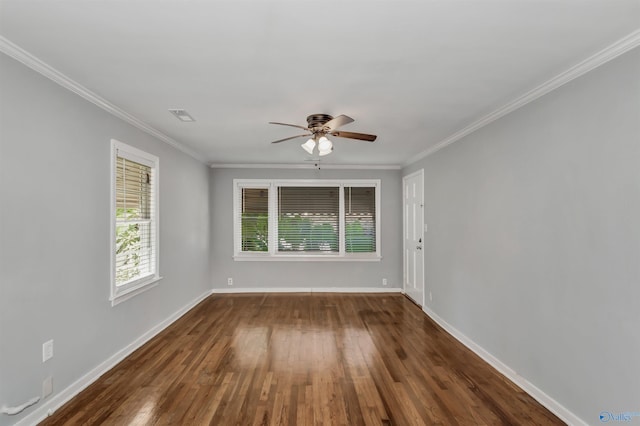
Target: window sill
{"points": [[304, 258], [130, 292]]}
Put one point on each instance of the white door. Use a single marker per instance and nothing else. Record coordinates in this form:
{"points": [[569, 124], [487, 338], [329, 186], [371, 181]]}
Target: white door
{"points": [[413, 219]]}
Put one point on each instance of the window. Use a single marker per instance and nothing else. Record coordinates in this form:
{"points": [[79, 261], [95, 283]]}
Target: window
{"points": [[134, 221], [306, 220], [255, 219], [360, 219]]}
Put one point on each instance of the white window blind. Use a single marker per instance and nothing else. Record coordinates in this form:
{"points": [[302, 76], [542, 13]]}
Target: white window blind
{"points": [[254, 219], [308, 219], [360, 219], [134, 221]]}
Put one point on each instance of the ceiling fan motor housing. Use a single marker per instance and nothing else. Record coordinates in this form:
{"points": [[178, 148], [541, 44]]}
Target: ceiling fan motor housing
{"points": [[318, 120]]}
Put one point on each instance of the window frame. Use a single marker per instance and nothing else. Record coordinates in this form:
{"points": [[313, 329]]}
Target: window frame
{"points": [[272, 254], [120, 293]]}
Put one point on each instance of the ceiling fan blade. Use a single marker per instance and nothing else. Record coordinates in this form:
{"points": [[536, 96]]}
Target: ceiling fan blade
{"points": [[338, 121], [353, 135], [292, 137], [290, 125]]}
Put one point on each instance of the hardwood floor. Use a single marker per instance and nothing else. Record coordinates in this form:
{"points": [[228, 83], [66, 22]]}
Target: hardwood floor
{"points": [[303, 359]]}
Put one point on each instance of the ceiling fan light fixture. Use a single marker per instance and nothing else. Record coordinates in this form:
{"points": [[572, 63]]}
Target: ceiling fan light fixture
{"points": [[309, 146], [325, 146]]}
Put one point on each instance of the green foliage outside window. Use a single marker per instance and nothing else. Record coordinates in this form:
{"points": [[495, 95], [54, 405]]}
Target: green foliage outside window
{"points": [[255, 232], [128, 246], [298, 233], [295, 233], [357, 239]]}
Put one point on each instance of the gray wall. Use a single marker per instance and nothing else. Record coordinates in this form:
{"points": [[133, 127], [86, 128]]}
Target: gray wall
{"points": [[54, 235], [304, 274], [533, 247]]}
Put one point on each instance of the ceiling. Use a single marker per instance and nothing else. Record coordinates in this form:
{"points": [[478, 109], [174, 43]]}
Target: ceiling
{"points": [[412, 72]]}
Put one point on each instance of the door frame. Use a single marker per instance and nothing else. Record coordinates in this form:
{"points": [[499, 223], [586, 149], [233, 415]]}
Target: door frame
{"points": [[420, 173]]}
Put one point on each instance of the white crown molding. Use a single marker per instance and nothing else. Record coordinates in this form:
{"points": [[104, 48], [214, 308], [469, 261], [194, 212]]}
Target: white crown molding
{"points": [[311, 165], [16, 52], [551, 404], [605, 55]]}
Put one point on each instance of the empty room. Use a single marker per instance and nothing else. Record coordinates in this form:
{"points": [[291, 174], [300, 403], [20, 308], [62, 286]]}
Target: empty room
{"points": [[319, 213]]}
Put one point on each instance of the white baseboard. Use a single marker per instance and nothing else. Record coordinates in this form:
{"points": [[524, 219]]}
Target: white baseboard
{"points": [[551, 404], [307, 290], [57, 401]]}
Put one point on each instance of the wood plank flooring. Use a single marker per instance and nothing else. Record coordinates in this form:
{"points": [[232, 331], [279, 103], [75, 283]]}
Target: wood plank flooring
{"points": [[303, 359]]}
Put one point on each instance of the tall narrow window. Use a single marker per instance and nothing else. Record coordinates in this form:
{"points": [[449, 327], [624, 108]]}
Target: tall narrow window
{"points": [[135, 247], [360, 219], [255, 219], [308, 219]]}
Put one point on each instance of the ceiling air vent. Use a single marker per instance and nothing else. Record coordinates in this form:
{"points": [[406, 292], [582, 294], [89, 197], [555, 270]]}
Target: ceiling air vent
{"points": [[181, 114]]}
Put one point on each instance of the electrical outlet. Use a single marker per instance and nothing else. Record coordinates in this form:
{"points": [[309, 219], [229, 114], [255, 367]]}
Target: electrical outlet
{"points": [[229, 281], [47, 350], [430, 297], [384, 281], [47, 387]]}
